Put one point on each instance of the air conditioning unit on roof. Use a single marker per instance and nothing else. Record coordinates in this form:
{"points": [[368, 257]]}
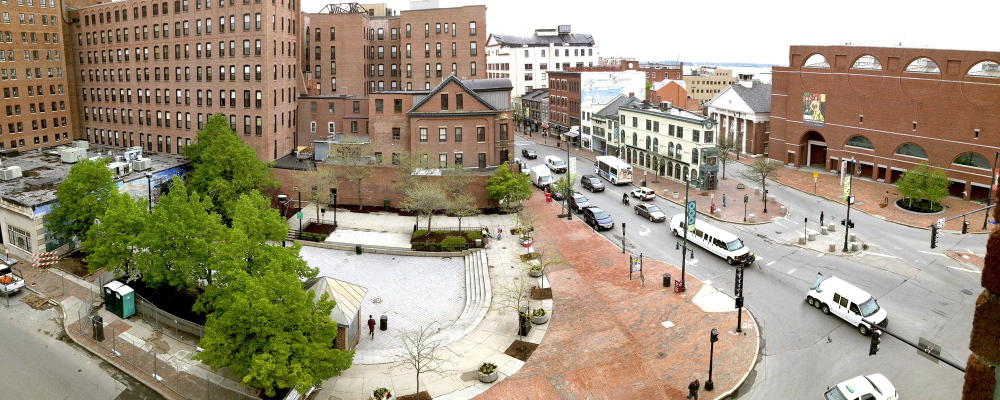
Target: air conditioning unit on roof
{"points": [[10, 173]]}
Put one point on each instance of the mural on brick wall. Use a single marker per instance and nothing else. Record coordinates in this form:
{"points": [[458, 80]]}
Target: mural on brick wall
{"points": [[814, 109]]}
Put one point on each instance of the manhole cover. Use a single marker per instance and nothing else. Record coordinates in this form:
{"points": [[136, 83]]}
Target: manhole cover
{"points": [[377, 300], [966, 292]]}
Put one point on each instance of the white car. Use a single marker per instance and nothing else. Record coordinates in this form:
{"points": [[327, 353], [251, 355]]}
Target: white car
{"points": [[869, 387], [644, 193]]}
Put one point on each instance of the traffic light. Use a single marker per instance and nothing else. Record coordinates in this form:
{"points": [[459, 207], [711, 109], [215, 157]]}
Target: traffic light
{"points": [[934, 236], [876, 339], [715, 335], [965, 227]]}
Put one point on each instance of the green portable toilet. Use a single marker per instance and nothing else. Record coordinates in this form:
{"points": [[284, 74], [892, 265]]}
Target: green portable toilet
{"points": [[125, 296], [110, 303]]}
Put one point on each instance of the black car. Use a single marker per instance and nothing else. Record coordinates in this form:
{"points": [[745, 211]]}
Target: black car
{"points": [[598, 218], [577, 202], [529, 154], [591, 182]]}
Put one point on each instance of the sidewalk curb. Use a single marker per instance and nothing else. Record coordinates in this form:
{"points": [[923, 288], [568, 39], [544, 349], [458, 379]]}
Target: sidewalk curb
{"points": [[678, 202], [141, 380], [868, 213], [756, 356]]}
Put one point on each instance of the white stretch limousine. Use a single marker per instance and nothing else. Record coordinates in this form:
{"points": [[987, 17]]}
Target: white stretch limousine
{"points": [[715, 240]]}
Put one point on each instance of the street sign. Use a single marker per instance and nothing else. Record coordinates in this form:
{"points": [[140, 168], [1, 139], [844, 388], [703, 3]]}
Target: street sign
{"points": [[940, 223], [572, 168], [927, 348], [298, 215], [815, 174], [991, 221], [692, 212]]}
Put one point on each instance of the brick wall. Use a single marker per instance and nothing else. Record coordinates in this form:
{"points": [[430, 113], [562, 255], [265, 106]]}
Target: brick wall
{"points": [[980, 375]]}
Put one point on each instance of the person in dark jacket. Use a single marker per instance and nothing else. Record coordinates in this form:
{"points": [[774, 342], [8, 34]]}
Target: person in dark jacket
{"points": [[693, 389], [371, 326]]}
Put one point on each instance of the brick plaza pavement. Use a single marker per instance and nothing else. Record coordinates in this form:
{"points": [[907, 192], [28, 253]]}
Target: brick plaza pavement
{"points": [[606, 339]]}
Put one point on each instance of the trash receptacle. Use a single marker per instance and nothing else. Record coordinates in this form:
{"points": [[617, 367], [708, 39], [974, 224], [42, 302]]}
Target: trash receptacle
{"points": [[666, 280], [383, 322], [385, 203], [548, 197], [357, 249], [642, 182], [98, 324]]}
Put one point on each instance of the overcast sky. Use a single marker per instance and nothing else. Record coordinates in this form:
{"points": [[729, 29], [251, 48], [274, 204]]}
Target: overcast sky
{"points": [[741, 31]]}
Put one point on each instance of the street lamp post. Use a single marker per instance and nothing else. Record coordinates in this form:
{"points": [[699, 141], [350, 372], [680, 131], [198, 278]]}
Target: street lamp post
{"points": [[746, 199], [989, 198], [739, 290], [300, 208], [283, 200], [850, 188], [687, 189], [569, 183], [709, 385], [334, 190], [149, 188]]}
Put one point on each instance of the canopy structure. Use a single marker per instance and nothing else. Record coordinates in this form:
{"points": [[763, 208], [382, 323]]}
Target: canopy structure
{"points": [[348, 297]]}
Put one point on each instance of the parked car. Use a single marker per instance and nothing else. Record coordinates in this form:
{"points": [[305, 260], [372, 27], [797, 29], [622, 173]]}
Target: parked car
{"points": [[591, 182], [650, 212], [555, 164], [577, 202], [598, 218], [525, 169], [874, 387], [529, 154], [644, 193], [833, 295]]}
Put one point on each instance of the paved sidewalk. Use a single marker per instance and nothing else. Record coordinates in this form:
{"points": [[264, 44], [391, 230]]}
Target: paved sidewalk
{"points": [[870, 199], [612, 338], [733, 211]]}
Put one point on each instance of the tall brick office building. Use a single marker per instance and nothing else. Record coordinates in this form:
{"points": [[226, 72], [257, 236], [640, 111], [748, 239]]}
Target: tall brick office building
{"points": [[33, 75], [884, 110]]}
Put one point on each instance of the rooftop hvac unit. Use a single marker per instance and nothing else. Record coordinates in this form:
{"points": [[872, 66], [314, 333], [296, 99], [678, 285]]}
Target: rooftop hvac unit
{"points": [[10, 173], [141, 164], [72, 154], [120, 169], [83, 144]]}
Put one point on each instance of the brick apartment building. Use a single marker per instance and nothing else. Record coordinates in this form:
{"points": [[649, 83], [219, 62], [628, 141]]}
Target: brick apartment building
{"points": [[33, 75], [598, 86], [150, 74], [885, 110], [415, 49]]}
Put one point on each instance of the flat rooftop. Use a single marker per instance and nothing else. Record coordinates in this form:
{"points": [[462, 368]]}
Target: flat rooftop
{"points": [[42, 171]]}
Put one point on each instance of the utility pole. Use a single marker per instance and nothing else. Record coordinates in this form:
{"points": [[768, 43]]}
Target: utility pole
{"points": [[569, 186], [847, 222], [993, 186]]}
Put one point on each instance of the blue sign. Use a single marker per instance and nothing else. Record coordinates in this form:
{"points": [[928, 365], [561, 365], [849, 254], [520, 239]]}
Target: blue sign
{"points": [[692, 211]]}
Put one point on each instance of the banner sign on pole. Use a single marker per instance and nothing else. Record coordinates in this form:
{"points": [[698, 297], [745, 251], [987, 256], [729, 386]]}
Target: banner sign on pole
{"points": [[692, 212]]}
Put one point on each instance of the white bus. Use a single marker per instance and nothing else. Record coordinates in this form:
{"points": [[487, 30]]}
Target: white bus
{"points": [[613, 169], [715, 240]]}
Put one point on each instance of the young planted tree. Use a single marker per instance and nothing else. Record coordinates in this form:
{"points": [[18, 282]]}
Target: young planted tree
{"points": [[272, 333], [425, 199], [513, 296], [564, 186], [113, 244], [460, 206], [922, 183], [356, 164], [760, 170], [726, 145], [180, 238], [509, 188], [315, 183], [81, 198], [420, 351], [223, 166]]}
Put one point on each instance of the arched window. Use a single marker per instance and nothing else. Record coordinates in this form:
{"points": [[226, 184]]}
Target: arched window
{"points": [[923, 65], [867, 62], [649, 143], [694, 156], [635, 140], [694, 174], [911, 150], [816, 61], [685, 176], [656, 145], [972, 160], [670, 149], [680, 151], [860, 141], [985, 69]]}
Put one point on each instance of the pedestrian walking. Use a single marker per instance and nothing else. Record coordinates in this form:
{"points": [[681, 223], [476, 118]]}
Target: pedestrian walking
{"points": [[499, 232], [820, 218], [693, 389], [886, 197], [371, 326], [723, 200]]}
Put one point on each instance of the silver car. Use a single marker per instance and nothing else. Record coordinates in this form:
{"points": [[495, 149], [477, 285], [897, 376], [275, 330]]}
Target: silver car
{"points": [[650, 212]]}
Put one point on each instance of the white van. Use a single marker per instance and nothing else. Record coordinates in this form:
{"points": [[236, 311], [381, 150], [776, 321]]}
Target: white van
{"points": [[715, 240], [833, 295], [555, 164]]}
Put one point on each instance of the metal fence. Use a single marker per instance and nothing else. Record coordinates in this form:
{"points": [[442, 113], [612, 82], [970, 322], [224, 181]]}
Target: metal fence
{"points": [[169, 371], [165, 322]]}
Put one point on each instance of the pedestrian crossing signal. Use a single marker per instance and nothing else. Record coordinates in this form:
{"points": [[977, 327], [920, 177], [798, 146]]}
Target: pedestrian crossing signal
{"points": [[876, 339], [965, 227]]}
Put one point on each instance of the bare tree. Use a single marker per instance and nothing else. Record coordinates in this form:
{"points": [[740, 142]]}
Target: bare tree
{"points": [[726, 146], [513, 295], [420, 348], [460, 206], [760, 170], [357, 164], [425, 199], [314, 182]]}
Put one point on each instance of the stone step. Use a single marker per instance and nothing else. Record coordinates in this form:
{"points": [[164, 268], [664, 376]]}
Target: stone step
{"points": [[469, 264]]}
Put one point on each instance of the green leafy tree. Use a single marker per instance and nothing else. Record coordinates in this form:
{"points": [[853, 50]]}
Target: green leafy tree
{"points": [[760, 170], [936, 188], [180, 238], [81, 198], [224, 167], [113, 244], [509, 188], [564, 184], [911, 183], [272, 334]]}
